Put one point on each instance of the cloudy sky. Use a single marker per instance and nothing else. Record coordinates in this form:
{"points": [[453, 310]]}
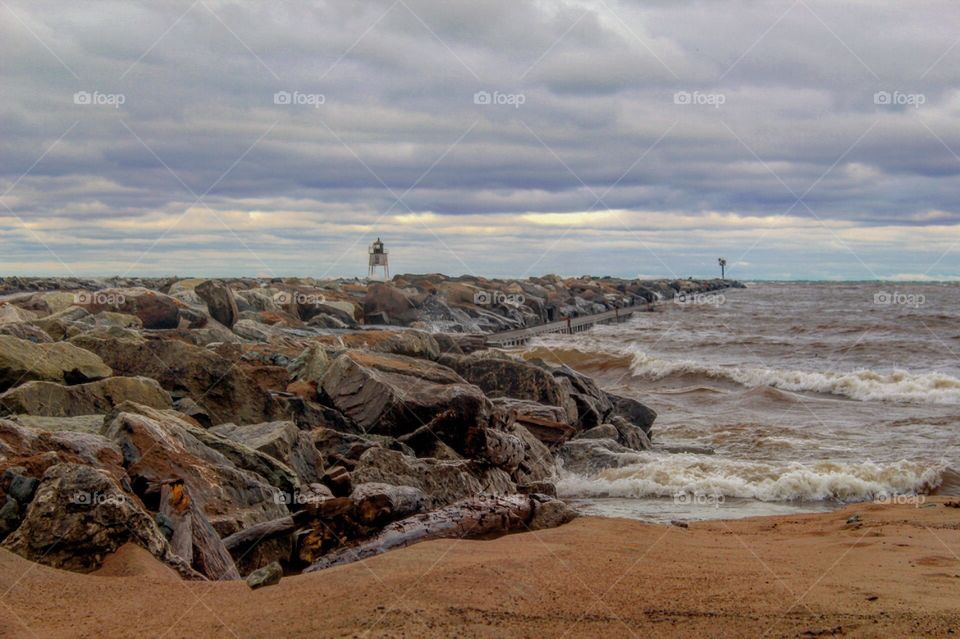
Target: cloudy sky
{"points": [[800, 140]]}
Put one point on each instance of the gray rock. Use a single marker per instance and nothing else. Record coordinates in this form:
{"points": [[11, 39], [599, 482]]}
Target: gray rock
{"points": [[550, 513], [634, 412], [394, 395], [9, 517], [310, 364], [588, 456], [603, 431], [22, 488], [630, 435], [537, 463], [443, 482], [253, 331], [269, 575], [284, 442]]}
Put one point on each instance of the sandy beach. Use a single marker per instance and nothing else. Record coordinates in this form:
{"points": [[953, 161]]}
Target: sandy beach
{"points": [[895, 573]]}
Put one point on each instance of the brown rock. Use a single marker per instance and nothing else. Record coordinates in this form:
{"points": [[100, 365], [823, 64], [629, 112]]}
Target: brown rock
{"points": [[23, 361], [159, 450], [80, 515], [154, 309], [220, 301], [222, 389], [48, 399], [393, 395]]}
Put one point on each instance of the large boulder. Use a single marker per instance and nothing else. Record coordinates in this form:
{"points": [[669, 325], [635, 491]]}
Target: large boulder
{"points": [[549, 424], [395, 395], [48, 399], [500, 375], [80, 515], [36, 450], [310, 365], [536, 461], [11, 314], [441, 481], [214, 382], [275, 472], [220, 300], [66, 323], [253, 331], [23, 361], [162, 448], [284, 442], [588, 456], [25, 331], [634, 412], [154, 309], [385, 302], [593, 405], [339, 448]]}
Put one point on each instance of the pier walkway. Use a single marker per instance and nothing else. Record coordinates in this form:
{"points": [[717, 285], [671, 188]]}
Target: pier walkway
{"points": [[570, 325]]}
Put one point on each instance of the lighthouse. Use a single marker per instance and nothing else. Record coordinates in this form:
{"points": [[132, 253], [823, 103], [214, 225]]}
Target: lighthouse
{"points": [[378, 259]]}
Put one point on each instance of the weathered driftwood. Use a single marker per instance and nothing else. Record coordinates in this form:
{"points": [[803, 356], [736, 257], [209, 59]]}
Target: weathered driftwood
{"points": [[377, 503], [194, 539], [253, 535], [468, 518]]}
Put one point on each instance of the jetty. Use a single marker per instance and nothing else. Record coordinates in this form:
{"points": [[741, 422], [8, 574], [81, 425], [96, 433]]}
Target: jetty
{"points": [[521, 336]]}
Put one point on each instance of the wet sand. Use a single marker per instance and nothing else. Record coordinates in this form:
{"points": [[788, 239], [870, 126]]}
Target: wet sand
{"points": [[894, 574]]}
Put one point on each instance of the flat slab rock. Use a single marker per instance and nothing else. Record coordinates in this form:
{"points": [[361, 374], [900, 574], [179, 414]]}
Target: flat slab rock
{"points": [[394, 395]]}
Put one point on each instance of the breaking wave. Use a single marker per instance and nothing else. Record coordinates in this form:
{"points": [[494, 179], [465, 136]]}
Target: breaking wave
{"points": [[862, 385], [671, 475]]}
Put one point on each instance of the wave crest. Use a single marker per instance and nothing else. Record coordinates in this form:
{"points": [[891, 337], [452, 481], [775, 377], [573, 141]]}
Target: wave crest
{"points": [[696, 475]]}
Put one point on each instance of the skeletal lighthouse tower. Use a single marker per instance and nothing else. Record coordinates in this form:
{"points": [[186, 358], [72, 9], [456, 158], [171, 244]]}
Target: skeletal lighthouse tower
{"points": [[378, 259]]}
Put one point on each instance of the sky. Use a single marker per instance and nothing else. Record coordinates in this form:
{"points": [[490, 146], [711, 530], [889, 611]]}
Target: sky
{"points": [[797, 139]]}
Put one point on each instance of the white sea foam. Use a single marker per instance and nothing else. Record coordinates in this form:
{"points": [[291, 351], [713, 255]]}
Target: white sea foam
{"points": [[660, 475], [863, 385]]}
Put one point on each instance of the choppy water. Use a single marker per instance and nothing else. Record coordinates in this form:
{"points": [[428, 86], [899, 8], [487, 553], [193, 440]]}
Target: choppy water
{"points": [[811, 396]]}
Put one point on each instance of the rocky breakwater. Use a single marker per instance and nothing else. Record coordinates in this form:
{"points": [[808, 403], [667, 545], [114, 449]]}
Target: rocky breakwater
{"points": [[256, 309], [231, 427]]}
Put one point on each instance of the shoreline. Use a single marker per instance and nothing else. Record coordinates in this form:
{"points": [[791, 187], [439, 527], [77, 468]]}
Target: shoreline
{"points": [[892, 573]]}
